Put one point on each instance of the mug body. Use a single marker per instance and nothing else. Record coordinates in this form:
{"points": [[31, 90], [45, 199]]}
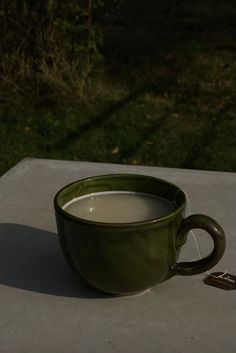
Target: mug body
{"points": [[121, 258]]}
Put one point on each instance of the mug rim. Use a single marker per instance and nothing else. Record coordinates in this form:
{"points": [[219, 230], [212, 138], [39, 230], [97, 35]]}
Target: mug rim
{"points": [[73, 218]]}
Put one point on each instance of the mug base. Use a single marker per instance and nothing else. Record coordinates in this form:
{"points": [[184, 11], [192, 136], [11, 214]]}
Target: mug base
{"points": [[134, 294]]}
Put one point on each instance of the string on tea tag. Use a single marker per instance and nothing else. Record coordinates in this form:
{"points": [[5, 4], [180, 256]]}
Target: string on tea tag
{"points": [[222, 280], [192, 232]]}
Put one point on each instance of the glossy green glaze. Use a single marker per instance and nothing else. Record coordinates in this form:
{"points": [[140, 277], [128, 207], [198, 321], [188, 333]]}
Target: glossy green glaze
{"points": [[131, 257]]}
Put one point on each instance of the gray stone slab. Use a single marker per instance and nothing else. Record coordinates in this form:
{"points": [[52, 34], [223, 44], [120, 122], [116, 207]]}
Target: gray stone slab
{"points": [[44, 308]]}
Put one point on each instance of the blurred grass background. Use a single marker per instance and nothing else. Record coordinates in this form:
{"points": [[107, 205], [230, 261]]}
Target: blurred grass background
{"points": [[137, 82]]}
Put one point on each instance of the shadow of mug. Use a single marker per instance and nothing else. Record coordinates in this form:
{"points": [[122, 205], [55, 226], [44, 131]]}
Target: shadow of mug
{"points": [[31, 259]]}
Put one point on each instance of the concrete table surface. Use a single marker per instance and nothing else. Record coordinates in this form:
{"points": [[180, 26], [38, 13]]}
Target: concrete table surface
{"points": [[44, 308]]}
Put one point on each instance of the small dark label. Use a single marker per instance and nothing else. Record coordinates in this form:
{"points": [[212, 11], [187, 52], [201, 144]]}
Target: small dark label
{"points": [[221, 280]]}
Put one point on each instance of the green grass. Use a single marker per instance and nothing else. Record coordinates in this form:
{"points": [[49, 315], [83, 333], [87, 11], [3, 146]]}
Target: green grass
{"points": [[164, 96]]}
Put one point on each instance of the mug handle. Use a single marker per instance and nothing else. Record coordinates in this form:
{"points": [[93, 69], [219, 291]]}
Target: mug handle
{"points": [[218, 237]]}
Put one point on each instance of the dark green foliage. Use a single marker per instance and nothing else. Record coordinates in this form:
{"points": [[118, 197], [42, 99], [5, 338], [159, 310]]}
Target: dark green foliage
{"points": [[140, 82], [48, 49]]}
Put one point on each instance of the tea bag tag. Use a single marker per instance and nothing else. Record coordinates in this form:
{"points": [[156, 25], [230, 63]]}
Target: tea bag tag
{"points": [[222, 280]]}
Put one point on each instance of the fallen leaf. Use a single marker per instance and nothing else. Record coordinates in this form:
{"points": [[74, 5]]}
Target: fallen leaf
{"points": [[115, 150]]}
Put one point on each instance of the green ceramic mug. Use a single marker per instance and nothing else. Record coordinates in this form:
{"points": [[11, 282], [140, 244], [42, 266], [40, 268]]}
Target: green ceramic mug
{"points": [[127, 258]]}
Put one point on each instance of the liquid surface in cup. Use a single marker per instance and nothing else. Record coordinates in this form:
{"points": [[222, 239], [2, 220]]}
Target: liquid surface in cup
{"points": [[119, 207]]}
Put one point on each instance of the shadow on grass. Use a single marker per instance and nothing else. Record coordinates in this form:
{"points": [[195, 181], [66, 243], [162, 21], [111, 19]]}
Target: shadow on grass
{"points": [[141, 38], [170, 31], [97, 121]]}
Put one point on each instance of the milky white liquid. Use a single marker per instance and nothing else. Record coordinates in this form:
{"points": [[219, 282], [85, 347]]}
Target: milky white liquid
{"points": [[118, 207]]}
